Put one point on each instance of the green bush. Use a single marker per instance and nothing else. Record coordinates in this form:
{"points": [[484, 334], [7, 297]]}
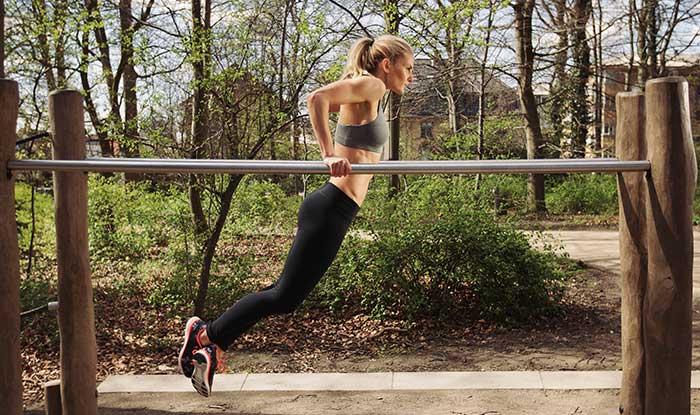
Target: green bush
{"points": [[433, 253], [175, 283], [36, 288], [44, 224], [262, 205], [127, 220], [584, 193]]}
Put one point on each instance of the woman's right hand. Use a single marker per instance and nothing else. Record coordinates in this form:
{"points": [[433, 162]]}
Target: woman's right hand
{"points": [[340, 166]]}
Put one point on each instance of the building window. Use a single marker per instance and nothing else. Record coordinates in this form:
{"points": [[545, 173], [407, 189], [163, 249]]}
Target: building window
{"points": [[608, 129], [426, 130]]}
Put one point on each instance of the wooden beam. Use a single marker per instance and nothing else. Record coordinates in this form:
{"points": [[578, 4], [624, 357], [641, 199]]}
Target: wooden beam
{"points": [[668, 299], [630, 145], [76, 314], [10, 357]]}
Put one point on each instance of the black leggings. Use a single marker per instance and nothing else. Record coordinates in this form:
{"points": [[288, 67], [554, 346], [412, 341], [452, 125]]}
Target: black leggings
{"points": [[324, 218]]}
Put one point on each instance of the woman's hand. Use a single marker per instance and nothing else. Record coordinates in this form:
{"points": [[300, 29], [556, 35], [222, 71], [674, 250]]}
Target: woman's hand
{"points": [[340, 166]]}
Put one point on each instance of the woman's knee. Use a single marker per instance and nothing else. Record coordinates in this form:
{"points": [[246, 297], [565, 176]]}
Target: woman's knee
{"points": [[284, 303]]}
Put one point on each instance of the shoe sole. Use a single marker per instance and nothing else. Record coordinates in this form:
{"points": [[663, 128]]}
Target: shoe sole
{"points": [[188, 332], [200, 376]]}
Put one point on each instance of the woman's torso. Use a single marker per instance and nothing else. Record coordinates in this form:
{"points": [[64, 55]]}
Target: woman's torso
{"points": [[356, 185]]}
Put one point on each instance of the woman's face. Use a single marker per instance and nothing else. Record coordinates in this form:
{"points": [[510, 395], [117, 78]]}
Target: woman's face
{"points": [[400, 73]]}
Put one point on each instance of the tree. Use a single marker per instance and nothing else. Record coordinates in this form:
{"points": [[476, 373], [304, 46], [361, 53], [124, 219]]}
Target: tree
{"points": [[245, 109], [559, 96], [656, 22], [533, 134], [580, 15], [113, 128], [392, 21], [484, 79]]}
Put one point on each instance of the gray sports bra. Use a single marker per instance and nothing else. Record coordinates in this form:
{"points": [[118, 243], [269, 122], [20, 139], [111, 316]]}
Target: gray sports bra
{"points": [[370, 136]]}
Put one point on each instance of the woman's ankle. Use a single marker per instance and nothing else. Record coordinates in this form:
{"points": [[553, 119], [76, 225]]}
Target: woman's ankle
{"points": [[203, 338]]}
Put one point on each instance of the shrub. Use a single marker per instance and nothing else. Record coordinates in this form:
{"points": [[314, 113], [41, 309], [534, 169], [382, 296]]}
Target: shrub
{"points": [[44, 226], [261, 204], [433, 253], [176, 286], [127, 220], [584, 193]]}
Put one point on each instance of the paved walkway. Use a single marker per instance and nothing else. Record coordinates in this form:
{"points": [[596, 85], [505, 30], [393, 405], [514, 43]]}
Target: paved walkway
{"points": [[601, 249], [384, 381]]}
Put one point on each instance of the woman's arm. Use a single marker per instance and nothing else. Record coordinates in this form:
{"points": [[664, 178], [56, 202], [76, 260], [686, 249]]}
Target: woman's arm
{"points": [[330, 97]]}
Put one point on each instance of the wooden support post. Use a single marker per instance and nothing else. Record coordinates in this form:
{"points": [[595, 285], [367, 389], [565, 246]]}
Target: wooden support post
{"points": [[668, 299], [52, 397], [630, 145], [76, 314], [10, 357]]}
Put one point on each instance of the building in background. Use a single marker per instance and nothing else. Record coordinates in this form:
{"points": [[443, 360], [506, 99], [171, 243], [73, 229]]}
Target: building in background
{"points": [[614, 73]]}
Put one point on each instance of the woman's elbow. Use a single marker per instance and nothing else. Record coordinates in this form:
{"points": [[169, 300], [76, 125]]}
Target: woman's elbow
{"points": [[315, 99]]}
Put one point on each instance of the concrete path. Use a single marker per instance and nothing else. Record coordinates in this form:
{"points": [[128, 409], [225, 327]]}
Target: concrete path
{"points": [[384, 381], [601, 249]]}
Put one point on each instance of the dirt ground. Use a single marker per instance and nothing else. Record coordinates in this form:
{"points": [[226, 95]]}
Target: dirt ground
{"points": [[463, 402], [586, 337]]}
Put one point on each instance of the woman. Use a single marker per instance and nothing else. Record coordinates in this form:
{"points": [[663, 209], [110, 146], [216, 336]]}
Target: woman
{"points": [[374, 66]]}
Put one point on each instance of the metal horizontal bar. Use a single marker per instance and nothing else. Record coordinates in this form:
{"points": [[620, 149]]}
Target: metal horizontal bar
{"points": [[317, 167]]}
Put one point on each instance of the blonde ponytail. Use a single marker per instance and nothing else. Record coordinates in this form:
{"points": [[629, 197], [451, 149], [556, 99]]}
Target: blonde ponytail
{"points": [[366, 53]]}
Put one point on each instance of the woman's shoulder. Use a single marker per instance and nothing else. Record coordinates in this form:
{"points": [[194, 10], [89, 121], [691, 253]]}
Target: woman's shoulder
{"points": [[369, 86]]}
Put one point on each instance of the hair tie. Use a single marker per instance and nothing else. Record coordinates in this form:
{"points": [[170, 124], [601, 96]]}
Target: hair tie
{"points": [[371, 42]]}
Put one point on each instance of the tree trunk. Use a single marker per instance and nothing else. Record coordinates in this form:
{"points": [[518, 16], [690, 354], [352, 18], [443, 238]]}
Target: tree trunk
{"points": [[582, 62], [112, 126], [60, 10], [199, 112], [482, 90], [105, 143], [131, 133], [558, 97], [212, 241], [42, 20], [599, 79], [201, 25], [391, 20], [642, 19], [2, 39], [528, 106], [630, 64]]}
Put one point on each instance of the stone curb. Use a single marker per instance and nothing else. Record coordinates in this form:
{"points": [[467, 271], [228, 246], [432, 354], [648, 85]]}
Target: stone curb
{"points": [[244, 382]]}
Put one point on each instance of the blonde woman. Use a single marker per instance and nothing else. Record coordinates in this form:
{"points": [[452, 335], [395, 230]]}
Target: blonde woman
{"points": [[374, 66]]}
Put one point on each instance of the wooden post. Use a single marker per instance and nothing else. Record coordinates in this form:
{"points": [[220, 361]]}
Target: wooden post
{"points": [[630, 145], [76, 314], [52, 397], [668, 300], [10, 357]]}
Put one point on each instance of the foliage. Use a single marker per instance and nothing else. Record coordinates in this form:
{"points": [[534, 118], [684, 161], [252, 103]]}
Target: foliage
{"points": [[37, 285], [44, 228], [502, 136], [127, 220], [176, 288], [584, 193], [433, 253], [259, 205]]}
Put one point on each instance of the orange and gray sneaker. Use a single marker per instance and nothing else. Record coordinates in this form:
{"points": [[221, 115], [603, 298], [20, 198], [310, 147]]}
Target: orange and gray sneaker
{"points": [[205, 364], [190, 346]]}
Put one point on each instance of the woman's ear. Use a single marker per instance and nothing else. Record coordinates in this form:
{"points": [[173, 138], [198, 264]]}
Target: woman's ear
{"points": [[385, 65]]}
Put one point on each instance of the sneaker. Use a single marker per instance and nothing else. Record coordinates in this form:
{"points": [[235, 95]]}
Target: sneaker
{"points": [[190, 345], [205, 363]]}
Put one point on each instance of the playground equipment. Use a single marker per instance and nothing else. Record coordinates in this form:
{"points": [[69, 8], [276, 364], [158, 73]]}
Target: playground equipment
{"points": [[656, 170]]}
